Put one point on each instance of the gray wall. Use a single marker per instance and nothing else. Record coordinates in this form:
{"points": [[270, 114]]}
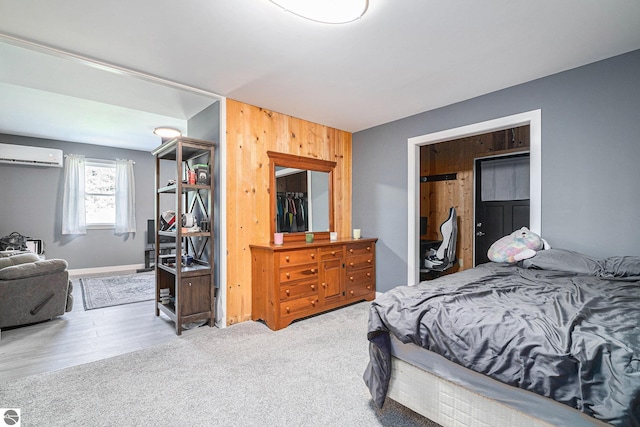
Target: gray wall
{"points": [[206, 126], [590, 162], [31, 204]]}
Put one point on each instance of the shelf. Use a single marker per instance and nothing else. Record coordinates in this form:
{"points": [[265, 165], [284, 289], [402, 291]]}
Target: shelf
{"points": [[196, 234], [185, 234], [172, 189], [168, 309], [192, 270]]}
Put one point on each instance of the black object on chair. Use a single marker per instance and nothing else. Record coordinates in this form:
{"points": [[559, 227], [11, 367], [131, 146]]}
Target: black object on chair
{"points": [[444, 256]]}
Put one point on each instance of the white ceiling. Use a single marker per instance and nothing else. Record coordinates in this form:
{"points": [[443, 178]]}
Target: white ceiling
{"points": [[403, 57]]}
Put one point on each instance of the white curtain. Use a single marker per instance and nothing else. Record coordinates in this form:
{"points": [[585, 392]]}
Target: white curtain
{"points": [[73, 212], [125, 197]]}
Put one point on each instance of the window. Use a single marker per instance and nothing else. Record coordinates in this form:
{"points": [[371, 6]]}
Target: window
{"points": [[100, 193]]}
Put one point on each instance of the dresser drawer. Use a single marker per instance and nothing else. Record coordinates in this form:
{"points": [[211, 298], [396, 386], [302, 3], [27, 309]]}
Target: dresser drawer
{"points": [[360, 248], [357, 277], [298, 289], [296, 272], [332, 252], [298, 257], [297, 306], [361, 290], [359, 262]]}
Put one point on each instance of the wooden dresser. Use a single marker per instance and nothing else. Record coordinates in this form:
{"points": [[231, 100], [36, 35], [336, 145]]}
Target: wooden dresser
{"points": [[297, 280]]}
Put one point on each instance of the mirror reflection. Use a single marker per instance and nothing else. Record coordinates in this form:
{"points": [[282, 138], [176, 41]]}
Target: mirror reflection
{"points": [[310, 181], [302, 200]]}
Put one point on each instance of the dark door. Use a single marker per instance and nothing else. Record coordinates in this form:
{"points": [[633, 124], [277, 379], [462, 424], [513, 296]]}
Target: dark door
{"points": [[502, 200]]}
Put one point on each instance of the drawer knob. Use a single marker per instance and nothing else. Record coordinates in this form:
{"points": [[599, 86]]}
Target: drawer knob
{"points": [[189, 283], [369, 287], [313, 255], [286, 258], [313, 302], [324, 285], [351, 264], [288, 275], [351, 278], [312, 270], [287, 292], [333, 253], [313, 287], [369, 261], [288, 310], [351, 293], [351, 250], [369, 248], [368, 274]]}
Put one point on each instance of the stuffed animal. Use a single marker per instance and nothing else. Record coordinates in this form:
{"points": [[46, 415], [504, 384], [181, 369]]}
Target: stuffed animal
{"points": [[519, 245]]}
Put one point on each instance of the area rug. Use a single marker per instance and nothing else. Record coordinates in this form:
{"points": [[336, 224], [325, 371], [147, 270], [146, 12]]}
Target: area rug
{"points": [[100, 292]]}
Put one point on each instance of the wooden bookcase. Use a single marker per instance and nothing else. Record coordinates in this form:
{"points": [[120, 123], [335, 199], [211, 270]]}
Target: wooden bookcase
{"points": [[190, 287]]}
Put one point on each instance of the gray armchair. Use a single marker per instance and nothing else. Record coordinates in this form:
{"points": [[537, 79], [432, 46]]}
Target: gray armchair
{"points": [[33, 290]]}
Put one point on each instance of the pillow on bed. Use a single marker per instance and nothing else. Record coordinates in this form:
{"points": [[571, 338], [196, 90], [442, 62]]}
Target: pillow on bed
{"points": [[564, 260], [622, 266]]}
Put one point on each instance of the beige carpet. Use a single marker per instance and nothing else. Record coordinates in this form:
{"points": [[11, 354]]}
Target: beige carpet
{"points": [[309, 374]]}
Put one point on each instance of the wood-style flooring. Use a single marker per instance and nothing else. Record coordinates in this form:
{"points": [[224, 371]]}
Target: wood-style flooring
{"points": [[81, 336]]}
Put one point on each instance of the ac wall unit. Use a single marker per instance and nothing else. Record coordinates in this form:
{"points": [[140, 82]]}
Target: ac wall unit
{"points": [[32, 156]]}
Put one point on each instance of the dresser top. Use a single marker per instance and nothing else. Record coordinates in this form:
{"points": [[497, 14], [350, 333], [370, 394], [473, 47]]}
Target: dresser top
{"points": [[315, 244]]}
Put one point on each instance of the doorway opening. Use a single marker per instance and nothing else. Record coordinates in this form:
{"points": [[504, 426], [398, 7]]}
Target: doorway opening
{"points": [[532, 119], [448, 171]]}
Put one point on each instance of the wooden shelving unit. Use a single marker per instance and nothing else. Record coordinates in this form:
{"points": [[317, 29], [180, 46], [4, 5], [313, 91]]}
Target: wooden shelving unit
{"points": [[191, 287]]}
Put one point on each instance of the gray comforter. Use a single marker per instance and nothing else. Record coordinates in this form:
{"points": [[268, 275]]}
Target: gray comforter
{"points": [[567, 327]]}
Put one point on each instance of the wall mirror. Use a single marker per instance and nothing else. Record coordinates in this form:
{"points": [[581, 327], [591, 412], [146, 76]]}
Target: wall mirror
{"points": [[302, 199]]}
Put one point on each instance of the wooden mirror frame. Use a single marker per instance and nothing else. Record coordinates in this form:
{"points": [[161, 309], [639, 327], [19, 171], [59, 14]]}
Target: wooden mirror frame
{"points": [[305, 163]]}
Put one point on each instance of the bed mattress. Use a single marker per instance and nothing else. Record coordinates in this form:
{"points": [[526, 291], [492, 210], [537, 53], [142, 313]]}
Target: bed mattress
{"points": [[530, 408]]}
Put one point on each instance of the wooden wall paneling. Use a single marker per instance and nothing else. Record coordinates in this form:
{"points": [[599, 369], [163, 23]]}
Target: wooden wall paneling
{"points": [[234, 144], [291, 140], [426, 188], [251, 132], [341, 149], [245, 133]]}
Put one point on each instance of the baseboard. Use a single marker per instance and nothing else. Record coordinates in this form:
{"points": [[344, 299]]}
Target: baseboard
{"points": [[80, 272]]}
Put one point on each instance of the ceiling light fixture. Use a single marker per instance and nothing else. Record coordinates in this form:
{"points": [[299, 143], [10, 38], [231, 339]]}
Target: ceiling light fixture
{"points": [[325, 11], [166, 132]]}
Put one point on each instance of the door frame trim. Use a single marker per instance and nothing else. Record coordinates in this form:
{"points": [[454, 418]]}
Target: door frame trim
{"points": [[532, 118]]}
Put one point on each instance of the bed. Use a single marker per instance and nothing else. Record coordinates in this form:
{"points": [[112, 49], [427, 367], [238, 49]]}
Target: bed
{"points": [[554, 340]]}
